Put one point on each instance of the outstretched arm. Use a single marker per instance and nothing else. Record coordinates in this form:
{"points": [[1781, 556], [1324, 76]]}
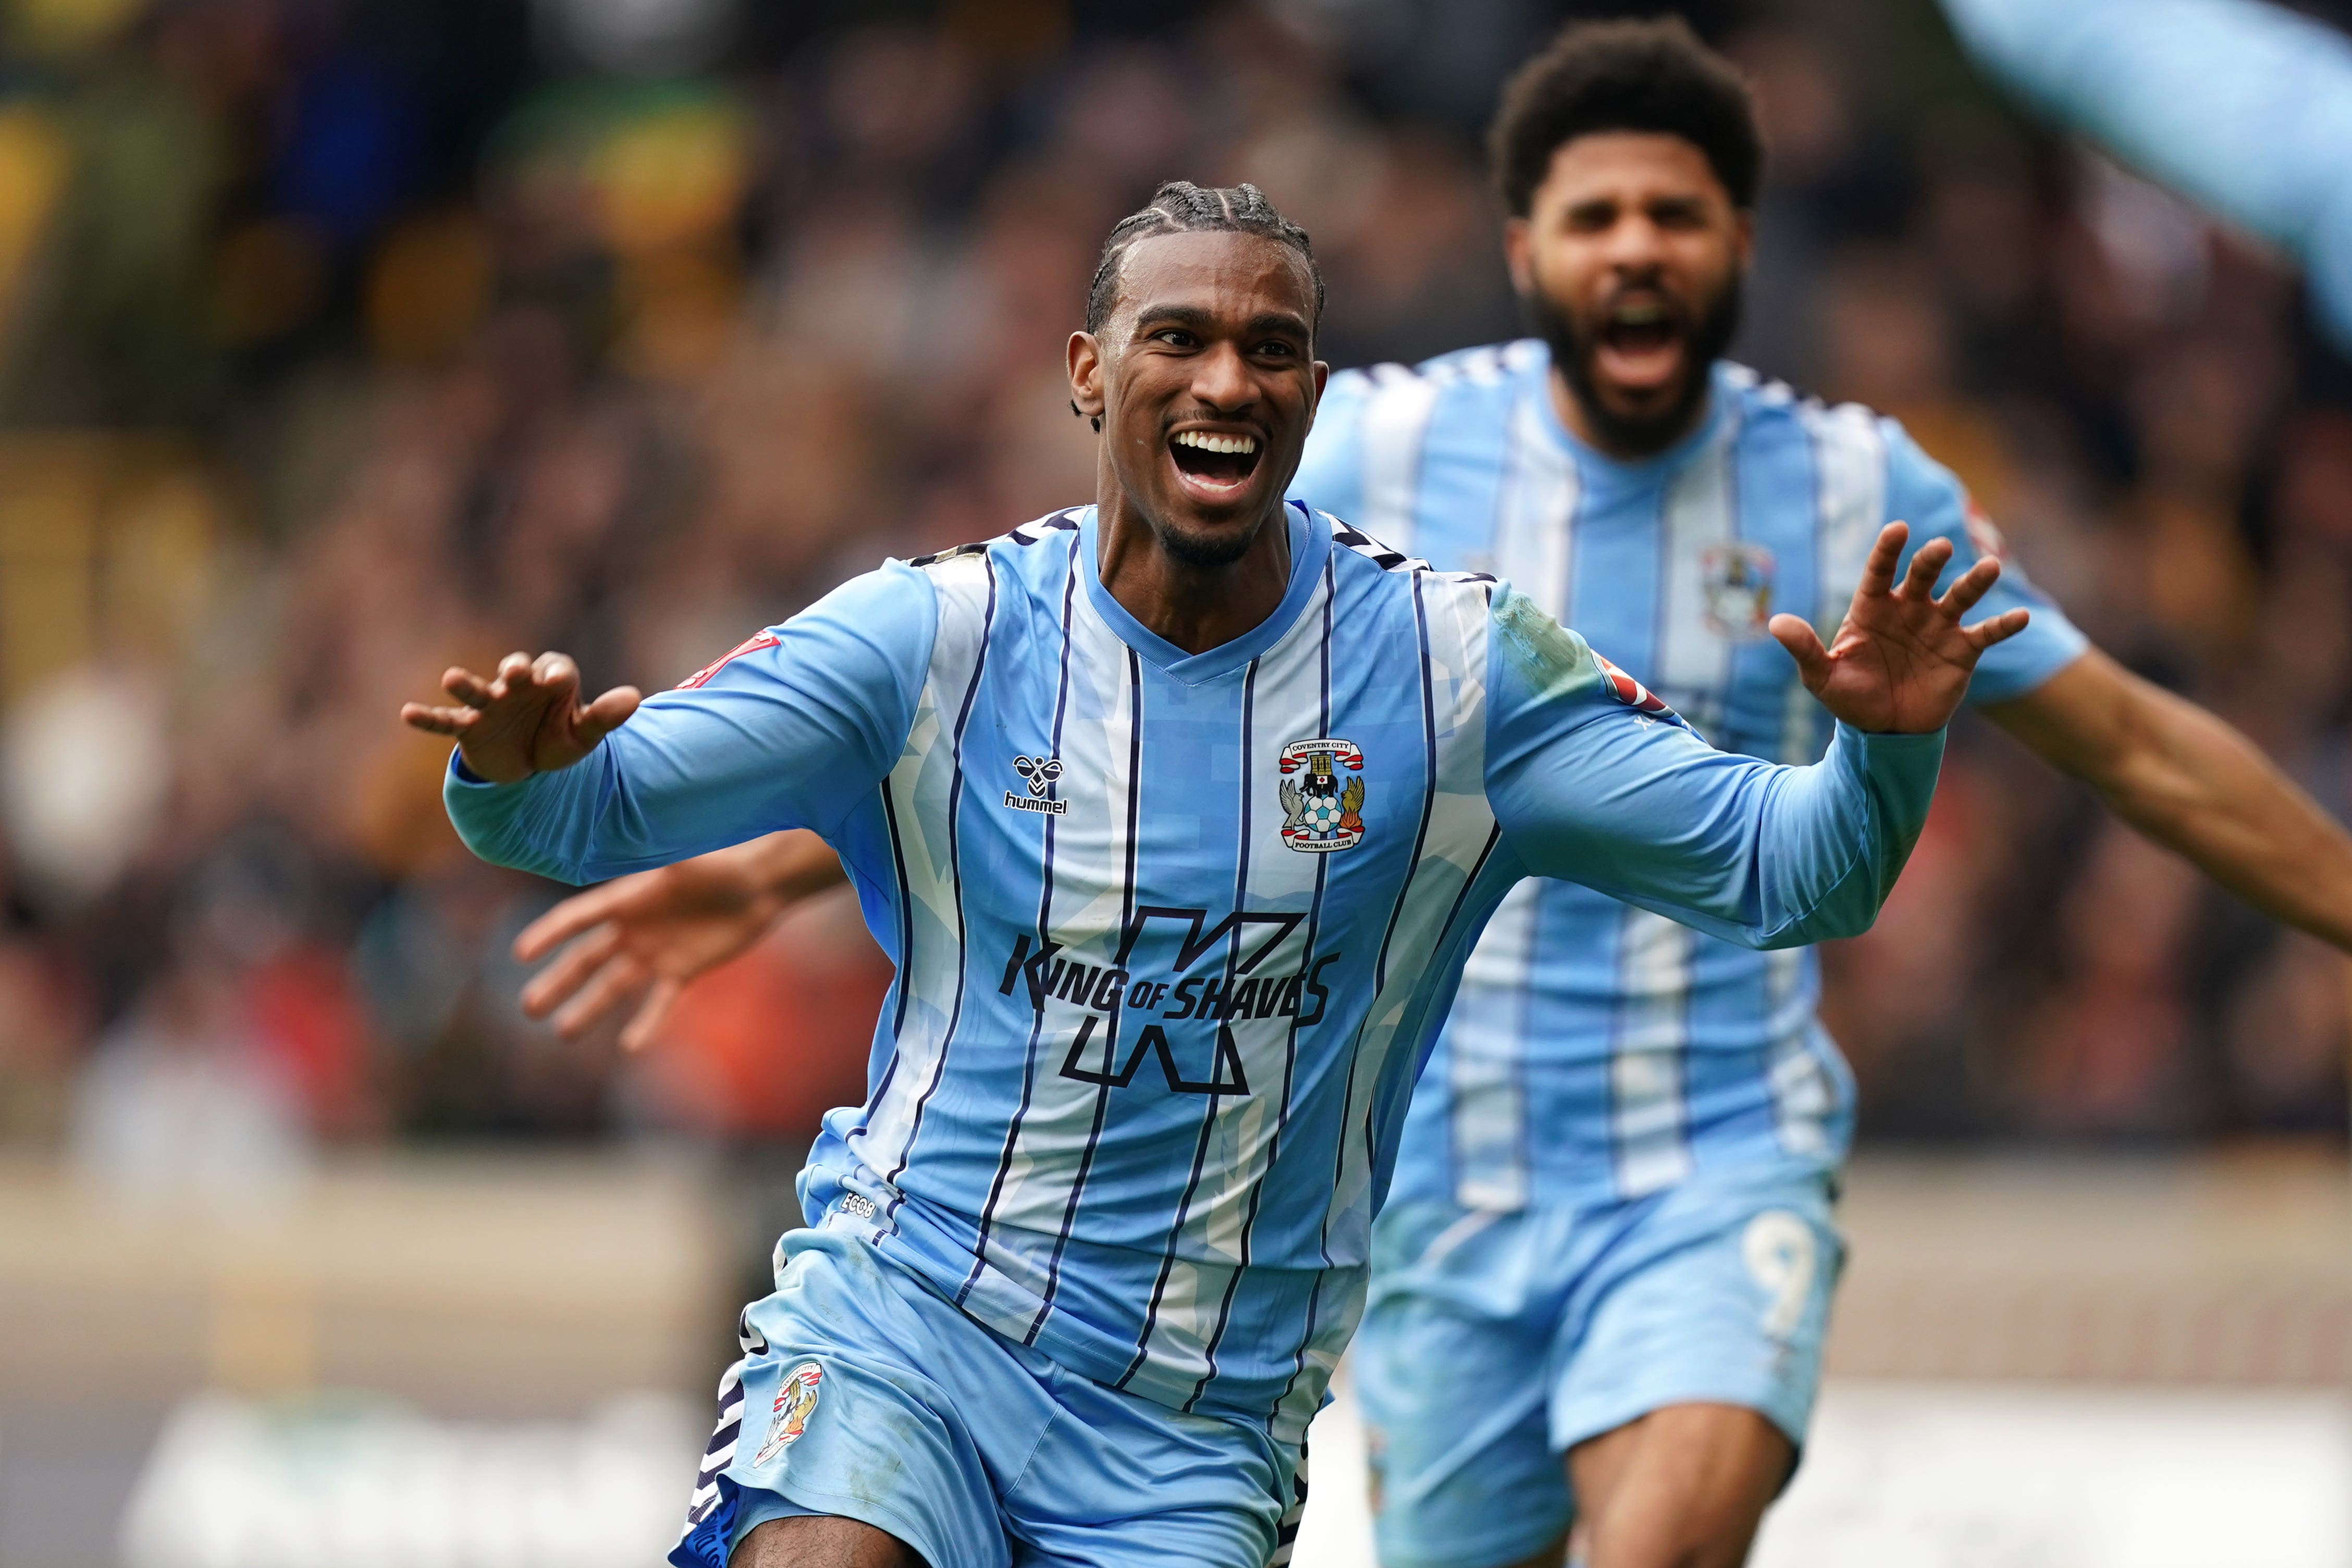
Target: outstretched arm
{"points": [[792, 730], [1594, 780], [527, 718], [2195, 785], [2244, 108], [649, 934]]}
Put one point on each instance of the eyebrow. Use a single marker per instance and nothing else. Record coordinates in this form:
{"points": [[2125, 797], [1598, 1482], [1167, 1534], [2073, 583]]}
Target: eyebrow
{"points": [[1199, 320]]}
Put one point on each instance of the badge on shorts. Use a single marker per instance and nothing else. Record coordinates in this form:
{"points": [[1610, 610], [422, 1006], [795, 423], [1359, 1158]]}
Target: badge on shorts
{"points": [[789, 1417]]}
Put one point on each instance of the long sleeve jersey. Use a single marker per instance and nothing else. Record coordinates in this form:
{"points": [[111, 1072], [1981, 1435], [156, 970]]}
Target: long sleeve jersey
{"points": [[1596, 1051], [1175, 931]]}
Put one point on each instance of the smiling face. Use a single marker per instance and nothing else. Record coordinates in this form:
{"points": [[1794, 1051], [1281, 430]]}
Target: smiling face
{"points": [[1631, 255], [1206, 380]]}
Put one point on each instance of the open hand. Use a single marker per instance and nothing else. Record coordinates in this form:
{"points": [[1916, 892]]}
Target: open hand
{"points": [[648, 935], [1901, 661], [526, 719]]}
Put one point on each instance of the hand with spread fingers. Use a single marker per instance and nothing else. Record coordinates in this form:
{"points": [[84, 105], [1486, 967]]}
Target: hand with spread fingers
{"points": [[645, 937], [527, 718], [1901, 661]]}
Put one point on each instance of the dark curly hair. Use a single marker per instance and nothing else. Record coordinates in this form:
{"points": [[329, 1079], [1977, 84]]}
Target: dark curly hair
{"points": [[1181, 207], [1625, 76]]}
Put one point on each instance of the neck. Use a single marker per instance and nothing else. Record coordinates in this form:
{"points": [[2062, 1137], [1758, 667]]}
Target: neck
{"points": [[1195, 607], [1613, 444]]}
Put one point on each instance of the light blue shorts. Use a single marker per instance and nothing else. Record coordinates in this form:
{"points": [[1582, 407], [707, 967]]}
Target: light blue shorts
{"points": [[863, 1394], [1494, 1342]]}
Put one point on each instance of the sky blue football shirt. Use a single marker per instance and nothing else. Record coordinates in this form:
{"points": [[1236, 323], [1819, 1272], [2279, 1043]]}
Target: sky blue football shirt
{"points": [[1599, 1050], [1174, 932]]}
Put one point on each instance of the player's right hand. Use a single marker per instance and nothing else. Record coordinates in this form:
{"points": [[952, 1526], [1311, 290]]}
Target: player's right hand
{"points": [[648, 935], [526, 719]]}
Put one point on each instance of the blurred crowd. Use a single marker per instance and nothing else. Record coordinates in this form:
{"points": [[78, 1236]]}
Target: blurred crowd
{"points": [[340, 342]]}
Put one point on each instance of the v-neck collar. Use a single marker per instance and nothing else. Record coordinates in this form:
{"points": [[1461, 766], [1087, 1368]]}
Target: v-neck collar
{"points": [[1309, 547]]}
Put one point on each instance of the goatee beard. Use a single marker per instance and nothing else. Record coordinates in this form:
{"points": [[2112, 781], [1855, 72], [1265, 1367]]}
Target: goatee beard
{"points": [[1572, 353], [1207, 550]]}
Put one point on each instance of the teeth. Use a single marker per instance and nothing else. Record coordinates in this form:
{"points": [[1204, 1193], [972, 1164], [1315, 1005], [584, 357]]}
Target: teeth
{"points": [[1641, 314], [1209, 442]]}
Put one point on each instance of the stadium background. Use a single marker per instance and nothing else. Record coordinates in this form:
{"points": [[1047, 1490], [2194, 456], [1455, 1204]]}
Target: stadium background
{"points": [[339, 341]]}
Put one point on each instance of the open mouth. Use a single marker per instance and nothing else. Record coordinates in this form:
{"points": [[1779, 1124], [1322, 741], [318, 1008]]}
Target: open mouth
{"points": [[1212, 461], [1640, 345]]}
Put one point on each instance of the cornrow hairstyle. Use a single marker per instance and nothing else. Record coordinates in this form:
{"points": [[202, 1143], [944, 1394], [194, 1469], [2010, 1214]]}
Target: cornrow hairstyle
{"points": [[1649, 76], [1181, 207]]}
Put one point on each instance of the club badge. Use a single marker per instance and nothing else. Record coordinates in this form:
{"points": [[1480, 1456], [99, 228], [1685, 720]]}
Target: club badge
{"points": [[1320, 813], [789, 1417], [1736, 580]]}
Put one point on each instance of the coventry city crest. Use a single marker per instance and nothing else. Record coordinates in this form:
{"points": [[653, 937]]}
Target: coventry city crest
{"points": [[1320, 813], [1736, 579], [788, 1417]]}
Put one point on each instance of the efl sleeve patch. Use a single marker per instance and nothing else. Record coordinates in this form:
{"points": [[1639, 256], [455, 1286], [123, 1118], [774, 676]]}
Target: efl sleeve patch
{"points": [[1983, 534], [751, 644], [1631, 691]]}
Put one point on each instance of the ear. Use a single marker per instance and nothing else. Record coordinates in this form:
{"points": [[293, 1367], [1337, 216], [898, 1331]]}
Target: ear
{"points": [[1087, 376], [1743, 235], [1517, 256]]}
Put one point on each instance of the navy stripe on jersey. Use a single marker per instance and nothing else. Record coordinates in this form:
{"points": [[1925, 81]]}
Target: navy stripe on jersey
{"points": [[1429, 793], [955, 874], [1046, 945], [1208, 1114], [1362, 703], [1110, 1031], [1290, 1048], [1598, 1052]]}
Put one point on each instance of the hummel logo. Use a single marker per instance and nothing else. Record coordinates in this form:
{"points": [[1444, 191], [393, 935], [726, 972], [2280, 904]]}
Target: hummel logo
{"points": [[1040, 772]]}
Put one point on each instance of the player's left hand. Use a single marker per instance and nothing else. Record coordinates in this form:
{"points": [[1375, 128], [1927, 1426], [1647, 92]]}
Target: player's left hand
{"points": [[527, 718], [1901, 661]]}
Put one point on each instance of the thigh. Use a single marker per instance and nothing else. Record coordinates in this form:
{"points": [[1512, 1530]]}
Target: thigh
{"points": [[1120, 1482], [1718, 1294], [1689, 1368], [1683, 1487], [1447, 1364], [813, 1541], [860, 1398]]}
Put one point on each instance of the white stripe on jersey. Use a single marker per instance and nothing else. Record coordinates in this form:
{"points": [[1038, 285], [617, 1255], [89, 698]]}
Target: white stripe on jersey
{"points": [[1697, 517], [1536, 517], [1849, 485], [1534, 545], [1241, 1134], [1457, 833], [920, 797], [1011, 1198], [1803, 1094], [1396, 416], [1485, 1079], [1086, 903], [1648, 1121]]}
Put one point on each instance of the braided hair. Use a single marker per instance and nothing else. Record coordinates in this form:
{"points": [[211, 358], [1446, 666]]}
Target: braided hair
{"points": [[1181, 207]]}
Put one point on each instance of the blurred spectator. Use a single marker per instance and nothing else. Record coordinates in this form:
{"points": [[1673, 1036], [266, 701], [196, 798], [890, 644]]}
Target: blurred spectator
{"points": [[179, 1100], [337, 346]]}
